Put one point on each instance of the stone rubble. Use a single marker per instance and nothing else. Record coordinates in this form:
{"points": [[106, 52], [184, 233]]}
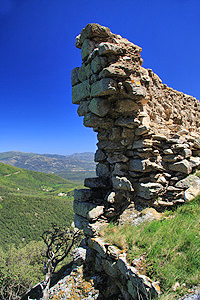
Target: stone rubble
{"points": [[148, 142]]}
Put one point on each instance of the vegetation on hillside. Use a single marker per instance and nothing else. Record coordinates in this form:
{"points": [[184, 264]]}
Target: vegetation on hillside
{"points": [[21, 268], [29, 204], [168, 251]]}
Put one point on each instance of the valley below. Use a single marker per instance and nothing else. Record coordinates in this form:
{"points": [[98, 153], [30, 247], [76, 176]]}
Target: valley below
{"points": [[73, 167]]}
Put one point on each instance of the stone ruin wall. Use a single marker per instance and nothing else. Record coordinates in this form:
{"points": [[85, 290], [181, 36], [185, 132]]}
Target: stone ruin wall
{"points": [[148, 134], [148, 145]]}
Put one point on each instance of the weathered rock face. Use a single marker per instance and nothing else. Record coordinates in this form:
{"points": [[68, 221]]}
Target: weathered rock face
{"points": [[148, 134]]}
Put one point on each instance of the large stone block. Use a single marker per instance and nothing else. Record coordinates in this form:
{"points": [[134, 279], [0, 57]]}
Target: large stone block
{"points": [[138, 165], [98, 245], [114, 158], [129, 122], [191, 193], [190, 180], [80, 92], [84, 72], [91, 120], [80, 222], [88, 210], [96, 183], [74, 76], [98, 63], [149, 190], [122, 183], [83, 195], [128, 105], [99, 156], [102, 170], [103, 87], [108, 48], [83, 224], [182, 166], [141, 144], [99, 107], [87, 48], [94, 30], [111, 71], [83, 108], [135, 91], [110, 268]]}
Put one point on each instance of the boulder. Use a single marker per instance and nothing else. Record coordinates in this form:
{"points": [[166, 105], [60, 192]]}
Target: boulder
{"points": [[127, 105], [129, 122], [80, 222], [112, 71], [84, 72], [138, 165]]}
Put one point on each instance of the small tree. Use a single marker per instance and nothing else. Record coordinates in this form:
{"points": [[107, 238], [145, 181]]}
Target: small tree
{"points": [[59, 242]]}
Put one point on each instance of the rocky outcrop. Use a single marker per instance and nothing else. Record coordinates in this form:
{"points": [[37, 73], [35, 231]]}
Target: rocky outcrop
{"points": [[148, 136]]}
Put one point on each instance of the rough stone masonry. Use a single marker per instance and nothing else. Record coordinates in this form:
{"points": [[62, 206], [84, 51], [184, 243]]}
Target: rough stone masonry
{"points": [[148, 134]]}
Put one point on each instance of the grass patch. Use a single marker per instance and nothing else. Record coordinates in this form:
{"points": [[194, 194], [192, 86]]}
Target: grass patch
{"points": [[170, 247]]}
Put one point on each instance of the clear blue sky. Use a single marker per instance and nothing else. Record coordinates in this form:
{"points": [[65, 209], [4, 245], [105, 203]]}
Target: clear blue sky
{"points": [[37, 53]]}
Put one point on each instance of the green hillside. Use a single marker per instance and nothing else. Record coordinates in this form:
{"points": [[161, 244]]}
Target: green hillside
{"points": [[29, 204]]}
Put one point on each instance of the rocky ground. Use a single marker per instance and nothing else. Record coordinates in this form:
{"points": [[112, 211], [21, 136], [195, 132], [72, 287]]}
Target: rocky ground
{"points": [[81, 285]]}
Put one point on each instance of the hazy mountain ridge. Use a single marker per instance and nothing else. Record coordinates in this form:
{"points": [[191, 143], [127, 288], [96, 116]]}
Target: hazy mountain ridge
{"points": [[75, 167]]}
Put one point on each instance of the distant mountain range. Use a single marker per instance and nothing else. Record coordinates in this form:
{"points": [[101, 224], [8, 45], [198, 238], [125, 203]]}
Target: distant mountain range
{"points": [[74, 167]]}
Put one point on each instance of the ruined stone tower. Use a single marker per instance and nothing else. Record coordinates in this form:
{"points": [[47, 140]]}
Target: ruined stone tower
{"points": [[148, 133], [148, 143]]}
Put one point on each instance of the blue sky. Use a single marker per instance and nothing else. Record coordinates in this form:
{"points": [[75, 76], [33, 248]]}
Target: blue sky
{"points": [[37, 54]]}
